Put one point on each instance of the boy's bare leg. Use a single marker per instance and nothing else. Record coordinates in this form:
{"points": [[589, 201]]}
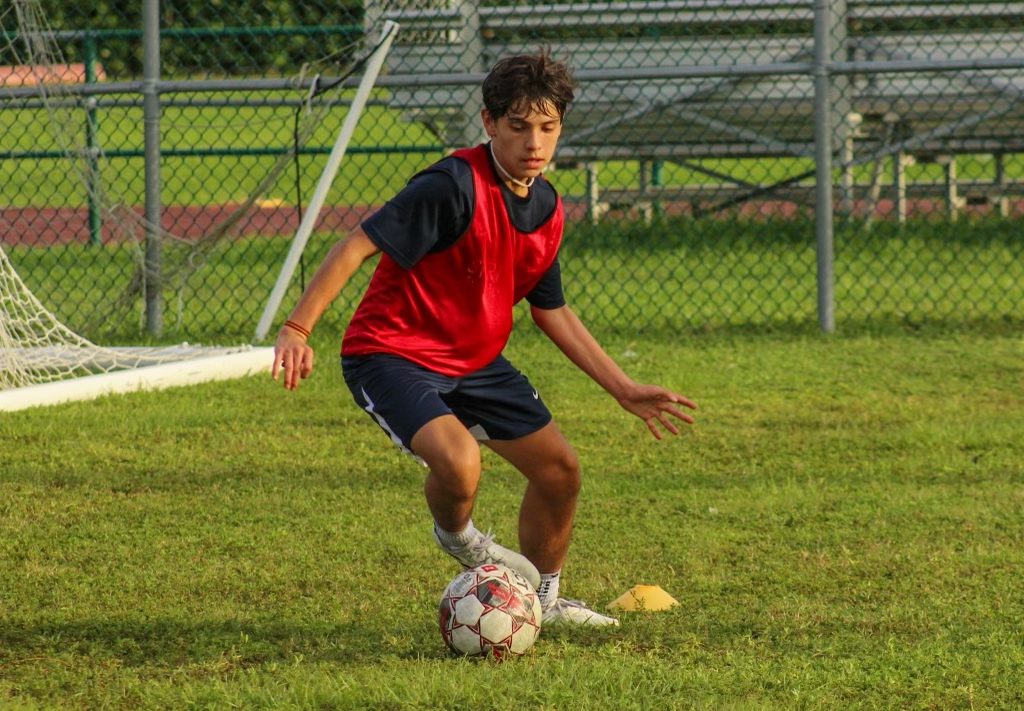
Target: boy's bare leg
{"points": [[453, 457], [545, 519], [552, 471]]}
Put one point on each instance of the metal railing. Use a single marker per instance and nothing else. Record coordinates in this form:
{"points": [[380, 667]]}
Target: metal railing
{"points": [[872, 116]]}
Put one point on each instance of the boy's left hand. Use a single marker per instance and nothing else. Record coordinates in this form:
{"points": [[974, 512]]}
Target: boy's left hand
{"points": [[653, 404]]}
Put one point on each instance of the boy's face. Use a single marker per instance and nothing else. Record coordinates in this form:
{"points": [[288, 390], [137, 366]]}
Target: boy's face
{"points": [[524, 139]]}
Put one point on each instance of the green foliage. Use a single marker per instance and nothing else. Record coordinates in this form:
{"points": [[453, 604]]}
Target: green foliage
{"points": [[211, 38], [711, 274], [841, 527]]}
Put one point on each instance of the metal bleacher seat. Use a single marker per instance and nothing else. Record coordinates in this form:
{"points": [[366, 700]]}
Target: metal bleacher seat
{"points": [[685, 80]]}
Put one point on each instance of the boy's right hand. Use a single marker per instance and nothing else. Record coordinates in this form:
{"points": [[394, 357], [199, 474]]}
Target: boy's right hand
{"points": [[293, 356]]}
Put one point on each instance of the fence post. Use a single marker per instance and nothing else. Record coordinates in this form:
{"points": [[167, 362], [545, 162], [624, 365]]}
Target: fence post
{"points": [[470, 130], [593, 193], [93, 198], [823, 133], [1002, 202], [151, 148]]}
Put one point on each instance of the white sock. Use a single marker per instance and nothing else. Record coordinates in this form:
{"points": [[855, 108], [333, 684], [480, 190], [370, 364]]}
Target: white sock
{"points": [[548, 590], [457, 539]]}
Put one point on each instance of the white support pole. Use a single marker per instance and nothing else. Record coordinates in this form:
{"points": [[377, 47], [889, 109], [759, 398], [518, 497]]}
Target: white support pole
{"points": [[1001, 200], [312, 214], [250, 361], [900, 161], [953, 200]]}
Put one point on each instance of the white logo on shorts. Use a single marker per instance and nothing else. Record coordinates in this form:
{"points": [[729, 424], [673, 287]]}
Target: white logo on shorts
{"points": [[535, 395]]}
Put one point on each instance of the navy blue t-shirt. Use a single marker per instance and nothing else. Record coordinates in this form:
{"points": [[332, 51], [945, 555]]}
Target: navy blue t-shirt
{"points": [[435, 208]]}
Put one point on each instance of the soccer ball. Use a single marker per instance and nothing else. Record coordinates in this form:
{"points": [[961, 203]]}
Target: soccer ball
{"points": [[489, 610]]}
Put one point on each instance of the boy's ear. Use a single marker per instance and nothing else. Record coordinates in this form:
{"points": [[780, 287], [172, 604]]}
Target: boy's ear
{"points": [[490, 125]]}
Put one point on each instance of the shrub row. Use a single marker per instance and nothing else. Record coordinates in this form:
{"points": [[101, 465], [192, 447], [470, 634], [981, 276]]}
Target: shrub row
{"points": [[202, 37]]}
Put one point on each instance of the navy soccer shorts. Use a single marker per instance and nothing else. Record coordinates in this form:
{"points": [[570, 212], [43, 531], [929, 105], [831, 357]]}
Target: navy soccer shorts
{"points": [[494, 402]]}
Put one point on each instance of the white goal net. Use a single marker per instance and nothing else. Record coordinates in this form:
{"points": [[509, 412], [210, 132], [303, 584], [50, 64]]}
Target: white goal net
{"points": [[35, 347], [42, 361]]}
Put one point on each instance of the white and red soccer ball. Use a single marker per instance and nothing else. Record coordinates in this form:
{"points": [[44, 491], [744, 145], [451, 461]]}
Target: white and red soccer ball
{"points": [[489, 610]]}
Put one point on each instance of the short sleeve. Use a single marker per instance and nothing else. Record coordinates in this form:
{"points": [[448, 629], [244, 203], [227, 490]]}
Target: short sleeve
{"points": [[430, 213], [547, 293]]}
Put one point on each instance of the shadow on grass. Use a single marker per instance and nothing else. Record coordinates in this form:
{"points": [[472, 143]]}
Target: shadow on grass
{"points": [[222, 644]]}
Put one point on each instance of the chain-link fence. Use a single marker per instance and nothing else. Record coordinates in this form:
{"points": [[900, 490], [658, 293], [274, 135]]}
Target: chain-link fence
{"points": [[692, 164]]}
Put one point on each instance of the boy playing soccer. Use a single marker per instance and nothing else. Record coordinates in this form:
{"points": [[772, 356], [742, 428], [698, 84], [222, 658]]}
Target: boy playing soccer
{"points": [[461, 243]]}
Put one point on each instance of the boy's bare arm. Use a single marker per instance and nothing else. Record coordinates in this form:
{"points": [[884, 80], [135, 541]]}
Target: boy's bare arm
{"points": [[651, 403], [292, 354]]}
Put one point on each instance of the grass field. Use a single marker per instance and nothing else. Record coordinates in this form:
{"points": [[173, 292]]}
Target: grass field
{"points": [[623, 275], [672, 276], [842, 528], [205, 161]]}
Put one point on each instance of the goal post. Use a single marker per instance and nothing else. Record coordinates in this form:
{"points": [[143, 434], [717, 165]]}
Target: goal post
{"points": [[42, 360], [312, 213], [221, 364]]}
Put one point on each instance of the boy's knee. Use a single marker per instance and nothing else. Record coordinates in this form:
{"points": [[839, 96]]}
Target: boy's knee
{"points": [[448, 449], [562, 475], [456, 470], [459, 463]]}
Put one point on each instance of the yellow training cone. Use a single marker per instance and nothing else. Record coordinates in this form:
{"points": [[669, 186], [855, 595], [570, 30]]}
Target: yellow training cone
{"points": [[643, 597]]}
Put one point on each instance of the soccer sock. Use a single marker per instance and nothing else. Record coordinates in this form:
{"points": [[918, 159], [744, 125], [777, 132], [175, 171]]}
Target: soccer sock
{"points": [[548, 590], [459, 538]]}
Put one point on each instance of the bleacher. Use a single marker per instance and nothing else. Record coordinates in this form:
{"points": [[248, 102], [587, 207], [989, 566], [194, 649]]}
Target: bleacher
{"points": [[688, 80]]}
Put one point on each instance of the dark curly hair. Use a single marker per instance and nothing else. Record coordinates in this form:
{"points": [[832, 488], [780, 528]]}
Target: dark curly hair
{"points": [[528, 81]]}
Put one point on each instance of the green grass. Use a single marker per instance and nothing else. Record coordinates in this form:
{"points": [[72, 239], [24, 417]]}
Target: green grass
{"points": [[386, 149], [204, 160], [841, 528], [671, 276]]}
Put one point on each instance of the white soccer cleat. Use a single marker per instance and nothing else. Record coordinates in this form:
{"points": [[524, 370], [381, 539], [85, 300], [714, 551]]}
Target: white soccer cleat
{"points": [[574, 612], [485, 550]]}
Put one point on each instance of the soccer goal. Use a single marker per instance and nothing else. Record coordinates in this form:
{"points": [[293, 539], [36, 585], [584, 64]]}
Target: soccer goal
{"points": [[42, 361]]}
